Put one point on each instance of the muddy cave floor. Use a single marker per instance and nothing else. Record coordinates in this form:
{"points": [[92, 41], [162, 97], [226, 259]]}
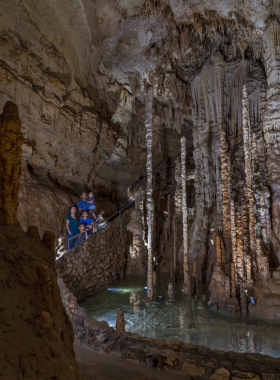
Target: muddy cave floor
{"points": [[102, 367]]}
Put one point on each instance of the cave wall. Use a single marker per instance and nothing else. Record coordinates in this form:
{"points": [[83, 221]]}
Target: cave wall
{"points": [[36, 334], [98, 261]]}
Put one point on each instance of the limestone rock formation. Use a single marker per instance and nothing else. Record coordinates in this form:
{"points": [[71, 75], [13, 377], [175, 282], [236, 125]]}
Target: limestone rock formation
{"points": [[36, 334], [11, 141]]}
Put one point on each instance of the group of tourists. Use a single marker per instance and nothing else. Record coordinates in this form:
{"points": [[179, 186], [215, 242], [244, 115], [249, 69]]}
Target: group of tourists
{"points": [[80, 220]]}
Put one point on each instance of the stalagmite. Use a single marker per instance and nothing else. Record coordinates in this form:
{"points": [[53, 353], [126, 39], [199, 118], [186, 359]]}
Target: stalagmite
{"points": [[120, 322], [187, 285], [149, 191]]}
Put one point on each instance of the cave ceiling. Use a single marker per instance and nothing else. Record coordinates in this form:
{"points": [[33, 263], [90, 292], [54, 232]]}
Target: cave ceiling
{"points": [[91, 62]]}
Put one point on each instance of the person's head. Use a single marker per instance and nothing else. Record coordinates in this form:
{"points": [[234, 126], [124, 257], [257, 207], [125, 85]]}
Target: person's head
{"points": [[84, 195], [84, 214], [90, 194], [72, 210], [82, 227]]}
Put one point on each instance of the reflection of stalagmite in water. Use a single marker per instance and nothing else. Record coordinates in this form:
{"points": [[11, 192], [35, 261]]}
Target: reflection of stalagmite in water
{"points": [[154, 278], [135, 299], [171, 294], [195, 289]]}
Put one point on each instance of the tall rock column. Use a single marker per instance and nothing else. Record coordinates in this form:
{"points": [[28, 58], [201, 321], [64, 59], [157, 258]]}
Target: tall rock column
{"points": [[187, 284], [271, 128], [150, 201], [11, 141]]}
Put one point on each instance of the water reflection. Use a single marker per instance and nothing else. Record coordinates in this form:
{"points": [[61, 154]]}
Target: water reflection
{"points": [[172, 315]]}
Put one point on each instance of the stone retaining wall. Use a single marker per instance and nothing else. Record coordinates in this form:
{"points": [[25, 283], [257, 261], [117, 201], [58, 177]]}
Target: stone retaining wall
{"points": [[98, 261], [196, 362]]}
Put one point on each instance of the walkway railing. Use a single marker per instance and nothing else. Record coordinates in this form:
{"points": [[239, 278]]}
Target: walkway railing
{"points": [[127, 206]]}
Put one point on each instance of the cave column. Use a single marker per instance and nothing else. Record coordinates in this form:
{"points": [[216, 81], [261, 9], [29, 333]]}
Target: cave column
{"points": [[187, 285], [11, 141], [271, 121], [149, 190]]}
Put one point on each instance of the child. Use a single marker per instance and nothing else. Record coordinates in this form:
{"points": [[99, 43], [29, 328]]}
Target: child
{"points": [[90, 202], [87, 220], [83, 234]]}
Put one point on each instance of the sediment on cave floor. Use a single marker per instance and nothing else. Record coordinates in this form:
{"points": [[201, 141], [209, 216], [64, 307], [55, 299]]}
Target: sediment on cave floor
{"points": [[167, 113]]}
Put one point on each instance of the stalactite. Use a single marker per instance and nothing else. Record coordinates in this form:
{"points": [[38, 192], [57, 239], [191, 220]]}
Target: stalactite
{"points": [[169, 215], [187, 285], [233, 248], [219, 251], [246, 240], [150, 201], [178, 192], [175, 245], [219, 191], [239, 246], [256, 186], [225, 164], [248, 167], [142, 214]]}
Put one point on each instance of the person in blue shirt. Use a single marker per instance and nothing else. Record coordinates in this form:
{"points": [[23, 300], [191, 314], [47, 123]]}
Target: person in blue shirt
{"points": [[91, 204], [72, 228], [82, 204], [87, 220], [83, 234]]}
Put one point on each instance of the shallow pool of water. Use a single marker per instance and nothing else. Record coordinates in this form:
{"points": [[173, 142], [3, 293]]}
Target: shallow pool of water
{"points": [[189, 320]]}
